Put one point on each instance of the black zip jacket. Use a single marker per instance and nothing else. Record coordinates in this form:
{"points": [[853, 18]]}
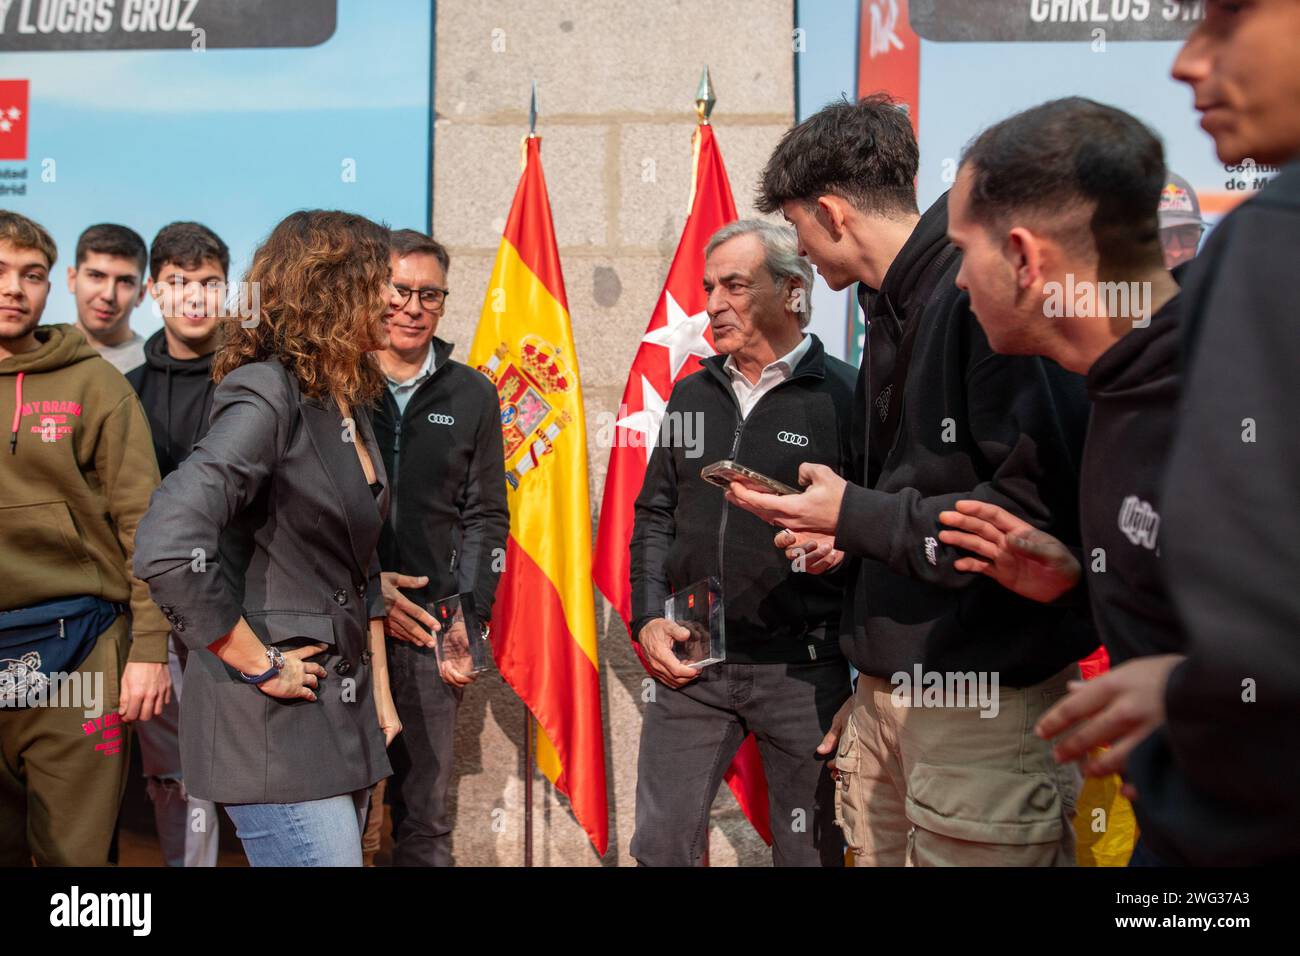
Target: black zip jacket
{"points": [[1134, 389], [177, 398], [1003, 429], [448, 516], [686, 531], [1219, 783]]}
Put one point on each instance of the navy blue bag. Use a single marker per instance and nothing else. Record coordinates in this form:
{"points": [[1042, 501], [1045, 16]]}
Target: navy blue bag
{"points": [[50, 637]]}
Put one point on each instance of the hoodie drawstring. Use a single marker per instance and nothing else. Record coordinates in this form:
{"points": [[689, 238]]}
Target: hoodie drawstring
{"points": [[18, 414]]}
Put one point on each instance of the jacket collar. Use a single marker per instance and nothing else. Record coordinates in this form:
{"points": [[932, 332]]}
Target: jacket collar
{"points": [[442, 352], [813, 364], [387, 404]]}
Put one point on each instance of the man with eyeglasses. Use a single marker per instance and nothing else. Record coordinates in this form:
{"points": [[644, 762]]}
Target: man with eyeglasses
{"points": [[1181, 225], [438, 425]]}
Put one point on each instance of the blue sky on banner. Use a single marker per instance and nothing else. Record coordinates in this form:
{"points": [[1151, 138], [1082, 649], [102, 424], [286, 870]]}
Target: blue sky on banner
{"points": [[236, 139]]}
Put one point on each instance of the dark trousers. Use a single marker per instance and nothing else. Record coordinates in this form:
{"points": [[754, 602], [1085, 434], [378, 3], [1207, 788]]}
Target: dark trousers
{"points": [[689, 737], [421, 756]]}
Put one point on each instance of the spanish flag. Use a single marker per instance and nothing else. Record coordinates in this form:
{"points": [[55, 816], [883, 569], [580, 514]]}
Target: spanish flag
{"points": [[1105, 827], [544, 621]]}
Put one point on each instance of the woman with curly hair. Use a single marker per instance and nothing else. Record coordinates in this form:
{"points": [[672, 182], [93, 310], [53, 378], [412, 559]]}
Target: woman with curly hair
{"points": [[261, 551]]}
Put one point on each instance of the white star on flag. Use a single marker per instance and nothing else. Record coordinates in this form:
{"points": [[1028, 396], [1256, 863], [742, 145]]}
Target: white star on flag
{"points": [[682, 335], [4, 126], [647, 420], [15, 113]]}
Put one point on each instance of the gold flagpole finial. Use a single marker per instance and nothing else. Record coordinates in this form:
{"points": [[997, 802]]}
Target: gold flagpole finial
{"points": [[704, 98]]}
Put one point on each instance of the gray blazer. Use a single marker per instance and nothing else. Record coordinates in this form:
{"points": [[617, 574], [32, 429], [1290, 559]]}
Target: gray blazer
{"points": [[271, 518]]}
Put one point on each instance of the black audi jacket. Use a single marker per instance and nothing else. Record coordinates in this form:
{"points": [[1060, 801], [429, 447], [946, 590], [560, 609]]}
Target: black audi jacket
{"points": [[1003, 429], [448, 516], [686, 531], [1134, 389]]}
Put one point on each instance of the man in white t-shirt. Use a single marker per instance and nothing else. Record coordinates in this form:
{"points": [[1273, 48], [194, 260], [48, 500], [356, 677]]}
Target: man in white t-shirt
{"points": [[107, 281]]}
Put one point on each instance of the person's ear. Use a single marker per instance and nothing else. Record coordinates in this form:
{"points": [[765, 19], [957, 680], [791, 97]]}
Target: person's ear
{"points": [[144, 287], [1026, 254], [831, 214], [72, 279], [796, 296]]}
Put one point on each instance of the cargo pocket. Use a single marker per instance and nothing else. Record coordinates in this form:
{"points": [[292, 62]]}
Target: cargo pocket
{"points": [[849, 802], [1069, 780], [979, 805]]}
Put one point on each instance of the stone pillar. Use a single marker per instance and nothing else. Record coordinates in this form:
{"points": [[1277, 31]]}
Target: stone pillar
{"points": [[616, 83]]}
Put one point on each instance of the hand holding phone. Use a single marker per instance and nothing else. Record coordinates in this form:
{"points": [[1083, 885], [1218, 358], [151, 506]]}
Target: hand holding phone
{"points": [[723, 473]]}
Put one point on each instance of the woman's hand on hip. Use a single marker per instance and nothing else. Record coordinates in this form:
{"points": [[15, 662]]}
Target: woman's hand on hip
{"points": [[299, 677]]}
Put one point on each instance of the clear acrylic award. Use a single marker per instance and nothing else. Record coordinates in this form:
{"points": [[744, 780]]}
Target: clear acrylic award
{"points": [[461, 641], [698, 608]]}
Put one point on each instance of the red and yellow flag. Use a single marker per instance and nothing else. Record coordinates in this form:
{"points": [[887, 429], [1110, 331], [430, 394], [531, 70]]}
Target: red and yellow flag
{"points": [[544, 621], [1105, 828]]}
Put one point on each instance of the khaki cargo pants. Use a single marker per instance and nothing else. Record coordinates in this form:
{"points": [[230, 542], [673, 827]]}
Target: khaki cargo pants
{"points": [[62, 773], [943, 786]]}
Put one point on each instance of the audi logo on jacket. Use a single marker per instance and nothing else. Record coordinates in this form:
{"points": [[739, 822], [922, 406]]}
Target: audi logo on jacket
{"points": [[685, 530]]}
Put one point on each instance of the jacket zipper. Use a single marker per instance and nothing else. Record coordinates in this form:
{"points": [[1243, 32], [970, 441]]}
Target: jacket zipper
{"points": [[397, 436], [735, 447], [726, 505], [397, 463]]}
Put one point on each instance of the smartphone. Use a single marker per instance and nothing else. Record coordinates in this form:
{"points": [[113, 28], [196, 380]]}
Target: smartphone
{"points": [[723, 473]]}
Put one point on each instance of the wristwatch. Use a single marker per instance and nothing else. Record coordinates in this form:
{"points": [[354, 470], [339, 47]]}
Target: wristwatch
{"points": [[276, 660]]}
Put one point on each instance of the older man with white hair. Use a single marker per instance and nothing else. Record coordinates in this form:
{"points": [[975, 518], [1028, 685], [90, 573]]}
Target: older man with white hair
{"points": [[771, 399]]}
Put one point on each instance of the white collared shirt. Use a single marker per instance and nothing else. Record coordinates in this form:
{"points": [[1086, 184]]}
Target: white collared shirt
{"points": [[402, 391], [747, 394]]}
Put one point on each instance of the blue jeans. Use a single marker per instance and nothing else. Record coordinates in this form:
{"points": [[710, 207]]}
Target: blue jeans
{"points": [[313, 833]]}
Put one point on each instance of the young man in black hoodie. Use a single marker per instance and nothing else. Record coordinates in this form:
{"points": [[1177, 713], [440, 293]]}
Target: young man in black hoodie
{"points": [[1218, 783], [188, 264], [438, 425], [1056, 213], [928, 776]]}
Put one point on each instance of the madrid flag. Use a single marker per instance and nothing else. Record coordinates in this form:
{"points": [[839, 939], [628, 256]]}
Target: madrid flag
{"points": [[13, 119], [544, 621], [677, 337]]}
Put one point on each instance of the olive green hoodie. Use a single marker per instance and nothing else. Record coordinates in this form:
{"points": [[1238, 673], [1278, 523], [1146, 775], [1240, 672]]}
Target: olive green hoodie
{"points": [[77, 468]]}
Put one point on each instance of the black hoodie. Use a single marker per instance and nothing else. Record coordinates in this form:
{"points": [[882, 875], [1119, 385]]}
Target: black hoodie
{"points": [[1219, 783], [970, 424], [177, 397], [1134, 389]]}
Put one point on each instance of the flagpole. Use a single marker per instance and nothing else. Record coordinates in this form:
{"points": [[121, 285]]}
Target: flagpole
{"points": [[528, 716], [704, 103], [528, 787]]}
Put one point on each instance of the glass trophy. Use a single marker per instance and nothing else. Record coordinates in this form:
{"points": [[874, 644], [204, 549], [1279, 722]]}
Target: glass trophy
{"points": [[698, 608], [461, 642]]}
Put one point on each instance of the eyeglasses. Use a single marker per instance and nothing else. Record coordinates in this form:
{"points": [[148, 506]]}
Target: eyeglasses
{"points": [[1182, 237], [432, 298]]}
